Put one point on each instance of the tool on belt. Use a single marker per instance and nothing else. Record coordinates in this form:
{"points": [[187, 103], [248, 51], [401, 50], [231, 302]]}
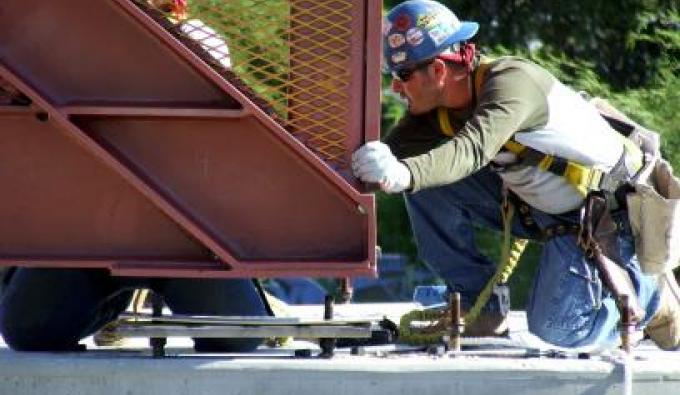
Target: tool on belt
{"points": [[598, 238]]}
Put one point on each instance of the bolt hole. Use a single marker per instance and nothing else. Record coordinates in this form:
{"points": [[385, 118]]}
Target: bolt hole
{"points": [[42, 116]]}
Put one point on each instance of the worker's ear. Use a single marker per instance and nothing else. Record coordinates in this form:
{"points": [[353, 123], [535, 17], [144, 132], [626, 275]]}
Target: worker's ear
{"points": [[439, 70]]}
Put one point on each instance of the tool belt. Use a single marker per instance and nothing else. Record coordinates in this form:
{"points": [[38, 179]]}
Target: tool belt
{"points": [[598, 236], [523, 211]]}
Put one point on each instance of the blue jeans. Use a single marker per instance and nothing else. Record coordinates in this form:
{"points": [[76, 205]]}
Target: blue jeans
{"points": [[568, 306], [53, 309]]}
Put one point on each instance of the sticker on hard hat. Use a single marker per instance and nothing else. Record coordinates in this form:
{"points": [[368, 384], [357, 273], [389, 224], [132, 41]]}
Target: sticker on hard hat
{"points": [[398, 57], [426, 20], [396, 40], [414, 36], [402, 23], [440, 33]]}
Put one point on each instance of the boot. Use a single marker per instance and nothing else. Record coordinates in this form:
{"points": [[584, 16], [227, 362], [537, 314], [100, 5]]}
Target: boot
{"points": [[664, 328], [488, 325], [490, 322]]}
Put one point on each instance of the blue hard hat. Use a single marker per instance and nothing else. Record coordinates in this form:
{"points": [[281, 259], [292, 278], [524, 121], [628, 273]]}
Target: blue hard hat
{"points": [[417, 30]]}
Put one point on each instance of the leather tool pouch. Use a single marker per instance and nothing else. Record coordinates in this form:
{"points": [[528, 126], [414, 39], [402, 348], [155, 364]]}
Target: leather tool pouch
{"points": [[599, 240], [654, 213], [598, 229]]}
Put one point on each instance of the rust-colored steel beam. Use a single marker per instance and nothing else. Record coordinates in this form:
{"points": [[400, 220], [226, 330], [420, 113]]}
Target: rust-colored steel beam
{"points": [[372, 110], [139, 156], [144, 185]]}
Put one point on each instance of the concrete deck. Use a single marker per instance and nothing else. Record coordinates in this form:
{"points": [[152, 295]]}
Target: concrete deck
{"points": [[131, 371]]}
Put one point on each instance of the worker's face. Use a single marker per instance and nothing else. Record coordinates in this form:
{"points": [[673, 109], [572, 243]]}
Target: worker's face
{"points": [[434, 86], [419, 90]]}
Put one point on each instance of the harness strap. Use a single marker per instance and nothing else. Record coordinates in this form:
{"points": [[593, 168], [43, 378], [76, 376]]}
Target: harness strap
{"points": [[444, 121], [583, 178]]}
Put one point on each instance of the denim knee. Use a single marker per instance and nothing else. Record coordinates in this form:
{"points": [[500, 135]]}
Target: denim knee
{"points": [[568, 306], [595, 327]]}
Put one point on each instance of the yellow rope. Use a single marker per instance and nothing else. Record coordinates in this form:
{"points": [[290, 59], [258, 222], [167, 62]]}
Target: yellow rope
{"points": [[279, 309], [510, 256], [431, 334], [440, 320]]}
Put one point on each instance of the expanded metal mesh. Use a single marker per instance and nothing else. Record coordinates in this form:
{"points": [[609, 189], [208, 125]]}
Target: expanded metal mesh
{"points": [[294, 54]]}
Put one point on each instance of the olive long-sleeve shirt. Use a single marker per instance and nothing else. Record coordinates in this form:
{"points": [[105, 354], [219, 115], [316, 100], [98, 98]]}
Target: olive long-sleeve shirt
{"points": [[512, 99]]}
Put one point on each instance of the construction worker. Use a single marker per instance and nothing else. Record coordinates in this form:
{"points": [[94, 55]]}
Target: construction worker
{"points": [[195, 29], [53, 309], [476, 128]]}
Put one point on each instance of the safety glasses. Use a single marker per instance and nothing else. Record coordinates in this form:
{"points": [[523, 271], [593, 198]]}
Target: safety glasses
{"points": [[405, 74]]}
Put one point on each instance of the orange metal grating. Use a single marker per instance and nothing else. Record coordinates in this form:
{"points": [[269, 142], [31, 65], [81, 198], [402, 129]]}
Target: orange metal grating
{"points": [[294, 54]]}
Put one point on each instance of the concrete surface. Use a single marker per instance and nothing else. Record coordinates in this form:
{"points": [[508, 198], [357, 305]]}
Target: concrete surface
{"points": [[131, 371]]}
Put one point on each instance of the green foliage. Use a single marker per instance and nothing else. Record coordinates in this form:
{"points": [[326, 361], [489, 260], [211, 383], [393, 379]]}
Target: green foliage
{"points": [[395, 233], [257, 33], [627, 51], [658, 109]]}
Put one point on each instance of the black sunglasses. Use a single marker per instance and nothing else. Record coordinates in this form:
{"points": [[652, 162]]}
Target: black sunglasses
{"points": [[404, 75]]}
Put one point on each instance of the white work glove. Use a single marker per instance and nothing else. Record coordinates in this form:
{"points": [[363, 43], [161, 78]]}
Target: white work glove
{"points": [[374, 162]]}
